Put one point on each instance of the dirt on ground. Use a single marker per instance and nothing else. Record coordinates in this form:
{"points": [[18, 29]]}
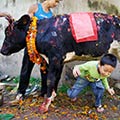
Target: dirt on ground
{"points": [[62, 108]]}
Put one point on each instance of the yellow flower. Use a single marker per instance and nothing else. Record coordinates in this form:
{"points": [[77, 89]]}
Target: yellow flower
{"points": [[30, 39]]}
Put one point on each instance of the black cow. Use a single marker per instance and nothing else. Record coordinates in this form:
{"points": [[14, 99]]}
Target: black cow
{"points": [[55, 41]]}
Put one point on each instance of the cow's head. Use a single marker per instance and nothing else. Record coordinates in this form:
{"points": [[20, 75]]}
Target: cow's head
{"points": [[117, 28], [15, 35]]}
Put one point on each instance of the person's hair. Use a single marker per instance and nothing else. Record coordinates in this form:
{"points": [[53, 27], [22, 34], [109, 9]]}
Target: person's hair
{"points": [[108, 59], [42, 0]]}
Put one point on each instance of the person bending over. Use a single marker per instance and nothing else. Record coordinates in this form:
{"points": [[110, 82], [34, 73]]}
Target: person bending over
{"points": [[94, 74]]}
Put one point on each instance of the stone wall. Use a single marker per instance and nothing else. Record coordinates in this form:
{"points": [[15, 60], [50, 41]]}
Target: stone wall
{"points": [[11, 65]]}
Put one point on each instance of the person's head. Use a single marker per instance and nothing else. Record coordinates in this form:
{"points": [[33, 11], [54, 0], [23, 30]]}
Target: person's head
{"points": [[53, 3], [107, 64]]}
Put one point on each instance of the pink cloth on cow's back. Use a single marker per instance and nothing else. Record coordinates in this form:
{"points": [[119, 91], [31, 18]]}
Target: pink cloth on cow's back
{"points": [[83, 27]]}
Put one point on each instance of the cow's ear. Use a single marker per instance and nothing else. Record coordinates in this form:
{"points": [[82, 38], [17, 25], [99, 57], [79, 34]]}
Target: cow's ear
{"points": [[23, 21]]}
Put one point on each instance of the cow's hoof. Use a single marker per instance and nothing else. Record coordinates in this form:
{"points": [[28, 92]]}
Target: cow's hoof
{"points": [[43, 108], [42, 94], [53, 96]]}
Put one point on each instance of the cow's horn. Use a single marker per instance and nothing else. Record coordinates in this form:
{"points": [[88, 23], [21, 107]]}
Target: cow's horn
{"points": [[7, 16]]}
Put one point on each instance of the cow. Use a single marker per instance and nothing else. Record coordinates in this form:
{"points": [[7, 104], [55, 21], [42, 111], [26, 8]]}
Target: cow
{"points": [[54, 39]]}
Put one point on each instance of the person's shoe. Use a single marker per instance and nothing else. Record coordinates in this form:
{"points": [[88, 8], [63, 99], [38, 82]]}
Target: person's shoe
{"points": [[18, 97], [100, 109], [73, 99]]}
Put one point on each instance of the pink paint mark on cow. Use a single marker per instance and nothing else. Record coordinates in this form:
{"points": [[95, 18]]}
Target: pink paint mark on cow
{"points": [[112, 35], [56, 23]]}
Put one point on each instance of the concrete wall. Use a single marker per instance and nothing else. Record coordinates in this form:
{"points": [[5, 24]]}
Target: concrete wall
{"points": [[11, 65]]}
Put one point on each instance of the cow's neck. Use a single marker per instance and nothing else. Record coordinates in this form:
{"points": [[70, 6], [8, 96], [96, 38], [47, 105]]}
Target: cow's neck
{"points": [[34, 55]]}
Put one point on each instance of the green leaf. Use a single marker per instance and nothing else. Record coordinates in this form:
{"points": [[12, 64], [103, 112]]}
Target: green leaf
{"points": [[6, 116]]}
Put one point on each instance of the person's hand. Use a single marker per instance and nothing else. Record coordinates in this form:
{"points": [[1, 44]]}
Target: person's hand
{"points": [[111, 91], [76, 71]]}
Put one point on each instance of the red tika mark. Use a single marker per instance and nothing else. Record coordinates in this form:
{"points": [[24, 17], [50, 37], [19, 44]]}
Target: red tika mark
{"points": [[112, 35]]}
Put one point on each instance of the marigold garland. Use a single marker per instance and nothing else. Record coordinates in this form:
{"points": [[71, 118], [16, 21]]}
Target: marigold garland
{"points": [[30, 39]]}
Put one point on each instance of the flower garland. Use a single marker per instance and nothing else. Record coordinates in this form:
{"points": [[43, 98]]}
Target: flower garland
{"points": [[30, 39]]}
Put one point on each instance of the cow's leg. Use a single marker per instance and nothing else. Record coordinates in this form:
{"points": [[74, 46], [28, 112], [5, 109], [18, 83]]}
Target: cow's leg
{"points": [[44, 72], [26, 69], [58, 76], [55, 68]]}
